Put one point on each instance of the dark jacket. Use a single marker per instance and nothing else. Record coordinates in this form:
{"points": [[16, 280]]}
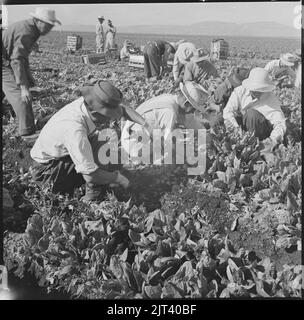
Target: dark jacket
{"points": [[17, 42]]}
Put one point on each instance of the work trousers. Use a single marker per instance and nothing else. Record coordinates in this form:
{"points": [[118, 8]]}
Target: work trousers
{"points": [[24, 111], [152, 60], [99, 44], [61, 174], [254, 121]]}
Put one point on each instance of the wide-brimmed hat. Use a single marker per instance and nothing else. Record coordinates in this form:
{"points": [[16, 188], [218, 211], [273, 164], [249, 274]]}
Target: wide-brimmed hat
{"points": [[101, 17], [258, 80], [288, 59], [238, 76], [195, 94], [46, 15], [103, 94]]}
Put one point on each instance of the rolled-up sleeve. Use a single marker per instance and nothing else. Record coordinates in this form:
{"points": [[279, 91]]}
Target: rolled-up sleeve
{"points": [[230, 112], [80, 151], [278, 121]]}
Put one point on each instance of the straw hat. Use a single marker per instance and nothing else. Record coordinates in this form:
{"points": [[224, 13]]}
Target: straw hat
{"points": [[195, 94], [103, 94], [288, 59], [258, 80], [46, 15]]}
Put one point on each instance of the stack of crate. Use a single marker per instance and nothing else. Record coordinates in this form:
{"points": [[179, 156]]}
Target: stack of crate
{"points": [[219, 49], [94, 58], [74, 43]]}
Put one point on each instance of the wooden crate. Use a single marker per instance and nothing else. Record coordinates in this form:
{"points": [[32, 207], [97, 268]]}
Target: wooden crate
{"points": [[219, 49], [136, 61], [74, 43], [94, 58]]}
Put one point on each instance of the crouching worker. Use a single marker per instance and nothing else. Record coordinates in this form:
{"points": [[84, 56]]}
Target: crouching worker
{"points": [[254, 107], [67, 148], [165, 112]]}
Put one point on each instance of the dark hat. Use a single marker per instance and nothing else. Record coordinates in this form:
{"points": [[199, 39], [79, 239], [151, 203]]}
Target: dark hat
{"points": [[238, 76], [103, 94]]}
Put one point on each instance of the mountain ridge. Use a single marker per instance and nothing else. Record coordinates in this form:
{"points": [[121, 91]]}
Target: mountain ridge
{"points": [[212, 28]]}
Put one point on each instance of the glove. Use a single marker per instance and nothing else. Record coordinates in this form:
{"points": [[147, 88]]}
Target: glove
{"points": [[121, 180]]}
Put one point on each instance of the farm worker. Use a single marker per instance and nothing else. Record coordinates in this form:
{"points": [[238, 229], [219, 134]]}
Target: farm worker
{"points": [[124, 52], [156, 55], [165, 112], [199, 68], [67, 149], [18, 41], [99, 35], [183, 54], [287, 65], [110, 36], [223, 92], [254, 107]]}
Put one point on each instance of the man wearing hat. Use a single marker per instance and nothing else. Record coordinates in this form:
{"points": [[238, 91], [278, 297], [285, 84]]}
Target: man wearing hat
{"points": [[254, 107], [156, 54], [199, 68], [17, 43], [165, 112], [67, 149], [99, 35], [287, 65], [124, 52], [110, 36], [222, 93], [183, 54]]}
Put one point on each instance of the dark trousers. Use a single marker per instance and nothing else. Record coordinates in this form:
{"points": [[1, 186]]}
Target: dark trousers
{"points": [[61, 174], [152, 60], [254, 121], [23, 111]]}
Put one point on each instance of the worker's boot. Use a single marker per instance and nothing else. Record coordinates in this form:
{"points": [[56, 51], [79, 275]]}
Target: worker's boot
{"points": [[94, 193]]}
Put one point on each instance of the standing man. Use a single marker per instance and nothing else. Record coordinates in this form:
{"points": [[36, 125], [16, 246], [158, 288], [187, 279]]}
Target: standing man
{"points": [[183, 54], [254, 107], [17, 43], [110, 36], [156, 54], [99, 35]]}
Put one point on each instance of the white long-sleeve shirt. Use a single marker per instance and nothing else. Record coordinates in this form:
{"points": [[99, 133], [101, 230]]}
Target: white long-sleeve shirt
{"points": [[268, 105], [182, 55]]}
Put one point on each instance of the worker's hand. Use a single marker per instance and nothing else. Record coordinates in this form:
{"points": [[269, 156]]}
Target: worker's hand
{"points": [[268, 145], [121, 180], [177, 82], [26, 94]]}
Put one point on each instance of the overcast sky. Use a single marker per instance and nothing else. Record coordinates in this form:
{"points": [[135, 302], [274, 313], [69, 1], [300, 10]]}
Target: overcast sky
{"points": [[164, 13]]}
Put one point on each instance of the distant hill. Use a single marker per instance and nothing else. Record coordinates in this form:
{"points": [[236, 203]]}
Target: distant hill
{"points": [[212, 28]]}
